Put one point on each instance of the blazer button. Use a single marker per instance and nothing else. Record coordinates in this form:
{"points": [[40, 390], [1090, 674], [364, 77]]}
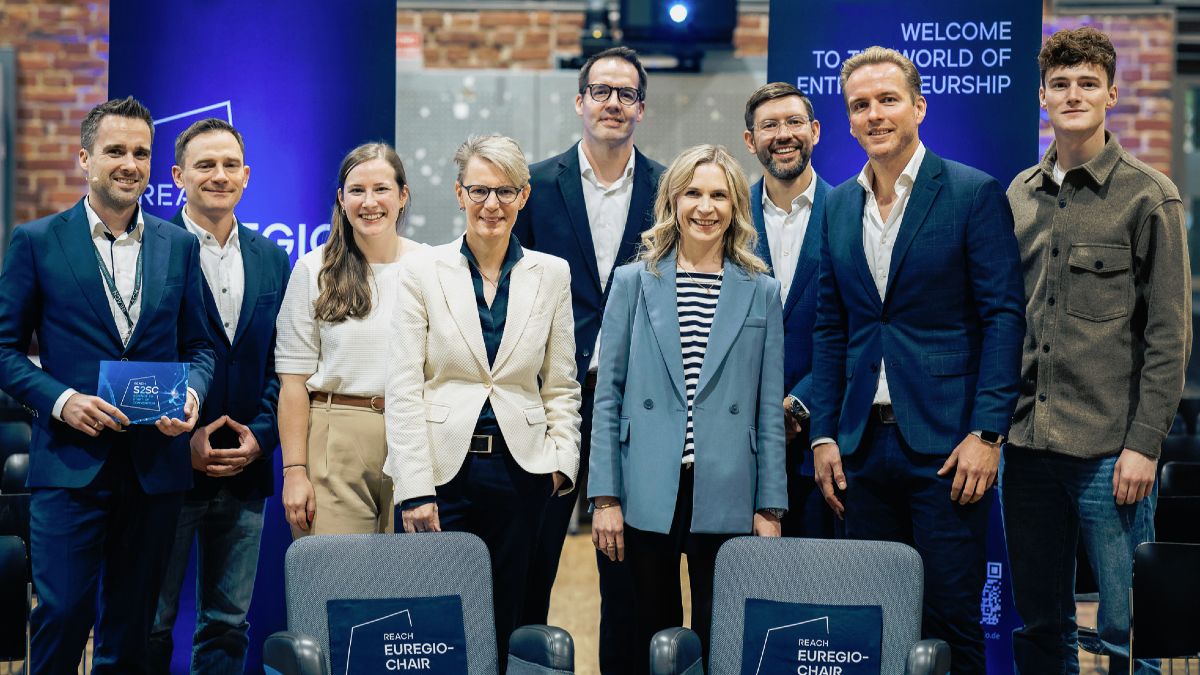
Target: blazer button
{"points": [[734, 409], [647, 404], [587, 351]]}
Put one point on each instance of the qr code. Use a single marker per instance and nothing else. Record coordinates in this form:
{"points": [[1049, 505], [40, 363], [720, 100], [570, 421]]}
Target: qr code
{"points": [[989, 605]]}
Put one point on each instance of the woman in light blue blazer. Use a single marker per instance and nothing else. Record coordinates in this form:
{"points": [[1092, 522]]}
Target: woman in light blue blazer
{"points": [[687, 434]]}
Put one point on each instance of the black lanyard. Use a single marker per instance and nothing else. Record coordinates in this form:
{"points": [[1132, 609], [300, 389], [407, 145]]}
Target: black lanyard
{"points": [[111, 283]]}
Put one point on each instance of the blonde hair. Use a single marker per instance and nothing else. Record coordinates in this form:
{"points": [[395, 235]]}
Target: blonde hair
{"points": [[740, 237], [875, 55], [501, 151]]}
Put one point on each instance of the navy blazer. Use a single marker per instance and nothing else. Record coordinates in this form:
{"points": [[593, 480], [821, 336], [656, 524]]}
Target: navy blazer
{"points": [[800, 307], [244, 384], [950, 328], [555, 221], [640, 418], [50, 285]]}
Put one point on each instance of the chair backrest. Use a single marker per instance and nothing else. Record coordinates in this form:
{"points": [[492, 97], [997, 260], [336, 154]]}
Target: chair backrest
{"points": [[1180, 449], [1166, 593], [368, 566], [1180, 479], [16, 470], [816, 571], [14, 598], [14, 438]]}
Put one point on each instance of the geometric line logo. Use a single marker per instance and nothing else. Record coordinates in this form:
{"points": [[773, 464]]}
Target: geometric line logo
{"points": [[141, 393]]}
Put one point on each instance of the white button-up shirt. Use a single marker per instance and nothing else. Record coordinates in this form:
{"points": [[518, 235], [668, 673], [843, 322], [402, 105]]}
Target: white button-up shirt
{"points": [[607, 209], [222, 266], [785, 233], [879, 237], [120, 256]]}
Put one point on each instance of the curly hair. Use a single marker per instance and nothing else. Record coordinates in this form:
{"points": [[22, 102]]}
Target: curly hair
{"points": [[1084, 45]]}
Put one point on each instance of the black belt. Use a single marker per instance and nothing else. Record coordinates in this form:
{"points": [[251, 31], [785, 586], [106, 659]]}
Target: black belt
{"points": [[589, 380], [884, 413], [487, 444]]}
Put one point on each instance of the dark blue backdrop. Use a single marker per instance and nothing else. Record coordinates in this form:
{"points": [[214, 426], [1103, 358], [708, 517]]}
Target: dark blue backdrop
{"points": [[978, 60], [304, 81], [978, 63]]}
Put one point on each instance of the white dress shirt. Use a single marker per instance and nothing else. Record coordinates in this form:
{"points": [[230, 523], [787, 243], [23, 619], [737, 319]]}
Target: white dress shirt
{"points": [[120, 259], [785, 233], [879, 237], [607, 209], [222, 266]]}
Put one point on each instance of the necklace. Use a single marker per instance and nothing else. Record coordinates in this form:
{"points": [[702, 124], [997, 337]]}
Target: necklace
{"points": [[707, 287], [486, 277]]}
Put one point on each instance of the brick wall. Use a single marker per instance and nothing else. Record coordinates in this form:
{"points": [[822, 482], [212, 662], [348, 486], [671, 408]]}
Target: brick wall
{"points": [[1142, 118], [526, 40], [62, 71]]}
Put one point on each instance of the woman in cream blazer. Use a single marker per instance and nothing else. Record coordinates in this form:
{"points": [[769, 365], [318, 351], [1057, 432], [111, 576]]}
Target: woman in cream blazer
{"points": [[483, 415]]}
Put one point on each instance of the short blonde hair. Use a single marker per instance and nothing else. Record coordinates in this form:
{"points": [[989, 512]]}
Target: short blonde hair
{"points": [[875, 55], [503, 152], [740, 237]]}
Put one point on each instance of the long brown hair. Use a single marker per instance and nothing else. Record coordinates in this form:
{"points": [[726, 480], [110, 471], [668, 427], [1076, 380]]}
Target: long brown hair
{"points": [[342, 282], [740, 237]]}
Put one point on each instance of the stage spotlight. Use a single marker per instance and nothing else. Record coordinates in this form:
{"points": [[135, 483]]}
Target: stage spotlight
{"points": [[672, 26], [678, 12]]}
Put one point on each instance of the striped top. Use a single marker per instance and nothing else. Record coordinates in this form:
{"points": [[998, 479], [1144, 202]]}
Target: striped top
{"points": [[696, 294]]}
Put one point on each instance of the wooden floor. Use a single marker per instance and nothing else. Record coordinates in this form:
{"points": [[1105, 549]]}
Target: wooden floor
{"points": [[575, 606]]}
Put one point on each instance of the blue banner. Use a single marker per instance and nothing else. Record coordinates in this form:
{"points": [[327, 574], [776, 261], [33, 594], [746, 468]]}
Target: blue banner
{"points": [[408, 635], [304, 81], [977, 59], [789, 637]]}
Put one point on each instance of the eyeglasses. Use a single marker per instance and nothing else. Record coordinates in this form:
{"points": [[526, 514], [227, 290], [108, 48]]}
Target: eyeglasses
{"points": [[600, 93], [479, 194], [772, 127]]}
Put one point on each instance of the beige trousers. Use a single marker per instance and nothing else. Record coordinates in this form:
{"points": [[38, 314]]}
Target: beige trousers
{"points": [[346, 449]]}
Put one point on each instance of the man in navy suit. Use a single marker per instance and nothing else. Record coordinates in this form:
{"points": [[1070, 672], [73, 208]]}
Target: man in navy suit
{"points": [[917, 348], [787, 206], [102, 281], [245, 276], [589, 206]]}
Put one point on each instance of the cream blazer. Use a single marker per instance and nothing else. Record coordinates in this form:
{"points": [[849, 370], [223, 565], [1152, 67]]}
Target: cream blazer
{"points": [[438, 373]]}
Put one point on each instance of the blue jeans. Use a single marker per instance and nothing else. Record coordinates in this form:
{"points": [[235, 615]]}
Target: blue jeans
{"points": [[1050, 501], [227, 531], [894, 494]]}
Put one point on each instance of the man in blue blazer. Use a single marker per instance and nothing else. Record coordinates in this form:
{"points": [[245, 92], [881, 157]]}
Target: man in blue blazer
{"points": [[589, 206], [245, 277], [917, 349], [787, 206], [102, 281]]}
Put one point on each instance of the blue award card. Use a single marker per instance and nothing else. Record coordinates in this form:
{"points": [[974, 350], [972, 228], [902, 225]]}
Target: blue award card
{"points": [[144, 390]]}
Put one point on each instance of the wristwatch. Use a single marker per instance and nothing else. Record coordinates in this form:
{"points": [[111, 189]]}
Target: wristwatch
{"points": [[797, 409], [990, 437]]}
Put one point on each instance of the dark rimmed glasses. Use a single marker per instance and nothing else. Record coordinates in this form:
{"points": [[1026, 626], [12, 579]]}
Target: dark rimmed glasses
{"points": [[479, 194], [600, 93]]}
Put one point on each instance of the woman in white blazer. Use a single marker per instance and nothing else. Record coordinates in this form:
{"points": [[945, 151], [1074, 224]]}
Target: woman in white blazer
{"points": [[687, 433], [483, 404]]}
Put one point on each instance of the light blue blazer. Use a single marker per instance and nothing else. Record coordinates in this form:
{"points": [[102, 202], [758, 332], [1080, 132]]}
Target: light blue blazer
{"points": [[640, 415]]}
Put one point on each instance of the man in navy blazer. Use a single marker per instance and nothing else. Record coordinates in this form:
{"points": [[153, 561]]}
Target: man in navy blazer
{"points": [[589, 206], [787, 206], [102, 281], [917, 349], [245, 277]]}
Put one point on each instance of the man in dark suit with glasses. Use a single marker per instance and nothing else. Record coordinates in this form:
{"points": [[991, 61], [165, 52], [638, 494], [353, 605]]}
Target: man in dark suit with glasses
{"points": [[589, 205]]}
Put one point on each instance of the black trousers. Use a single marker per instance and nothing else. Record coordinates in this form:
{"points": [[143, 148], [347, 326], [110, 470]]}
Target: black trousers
{"points": [[495, 499], [616, 584], [653, 559]]}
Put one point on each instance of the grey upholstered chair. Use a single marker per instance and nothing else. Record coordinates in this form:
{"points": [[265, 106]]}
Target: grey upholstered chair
{"points": [[387, 566], [810, 571]]}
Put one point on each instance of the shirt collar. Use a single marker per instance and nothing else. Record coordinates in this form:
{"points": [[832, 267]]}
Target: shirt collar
{"points": [[589, 174], [511, 257], [1099, 168], [98, 228], [205, 236], [808, 196], [908, 177]]}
